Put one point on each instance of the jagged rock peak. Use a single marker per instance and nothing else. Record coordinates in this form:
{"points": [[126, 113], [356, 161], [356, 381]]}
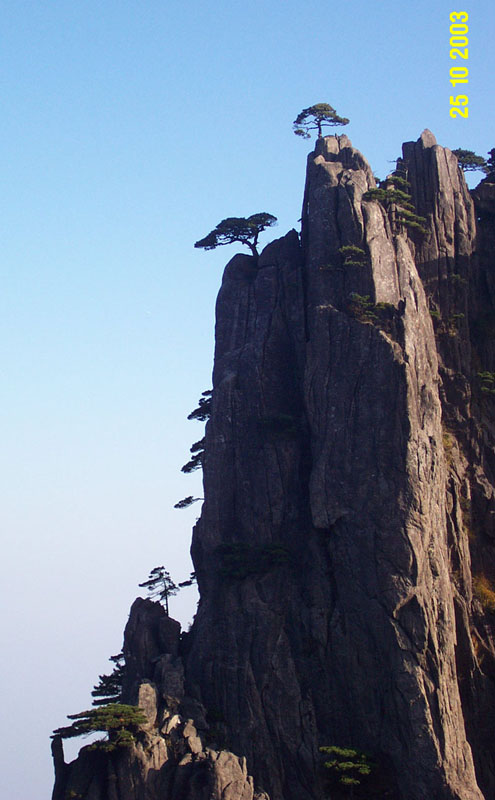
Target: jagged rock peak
{"points": [[347, 525], [339, 149], [427, 139], [326, 441]]}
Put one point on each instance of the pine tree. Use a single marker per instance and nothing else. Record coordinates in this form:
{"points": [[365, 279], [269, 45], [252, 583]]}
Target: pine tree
{"points": [[245, 230], [198, 451], [347, 767], [187, 501], [120, 722], [489, 168], [109, 689], [469, 161], [315, 118], [203, 411], [160, 585]]}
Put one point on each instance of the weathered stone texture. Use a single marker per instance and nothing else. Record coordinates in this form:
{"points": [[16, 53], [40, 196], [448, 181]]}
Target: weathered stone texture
{"points": [[169, 760], [352, 641], [349, 513]]}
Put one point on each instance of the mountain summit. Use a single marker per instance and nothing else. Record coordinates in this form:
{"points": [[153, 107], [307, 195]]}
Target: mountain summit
{"points": [[345, 551]]}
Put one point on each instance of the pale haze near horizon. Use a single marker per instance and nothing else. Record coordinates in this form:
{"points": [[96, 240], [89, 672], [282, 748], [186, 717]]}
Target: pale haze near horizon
{"points": [[129, 131]]}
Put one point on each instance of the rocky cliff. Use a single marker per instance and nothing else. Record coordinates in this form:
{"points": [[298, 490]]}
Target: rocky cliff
{"points": [[345, 550]]}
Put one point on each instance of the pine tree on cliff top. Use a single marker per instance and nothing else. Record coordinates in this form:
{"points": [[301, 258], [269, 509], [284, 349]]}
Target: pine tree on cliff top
{"points": [[245, 230], [315, 118], [160, 585]]}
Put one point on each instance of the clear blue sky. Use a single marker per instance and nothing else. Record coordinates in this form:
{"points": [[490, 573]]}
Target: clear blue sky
{"points": [[129, 129]]}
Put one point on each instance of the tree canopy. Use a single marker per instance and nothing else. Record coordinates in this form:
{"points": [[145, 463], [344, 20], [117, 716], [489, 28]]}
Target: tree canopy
{"points": [[186, 502], [109, 689], [469, 161], [160, 585], [315, 118], [203, 411], [393, 194], [347, 767], [489, 167], [189, 582], [245, 230], [120, 722], [196, 462]]}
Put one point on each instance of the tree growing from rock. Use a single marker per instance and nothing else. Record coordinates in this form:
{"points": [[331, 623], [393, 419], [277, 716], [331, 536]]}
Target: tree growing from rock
{"points": [[160, 585], [245, 230], [394, 196], [353, 256], [197, 450], [109, 688], [187, 501], [120, 722], [202, 414], [489, 168], [469, 161], [190, 581], [315, 118], [203, 411], [346, 768]]}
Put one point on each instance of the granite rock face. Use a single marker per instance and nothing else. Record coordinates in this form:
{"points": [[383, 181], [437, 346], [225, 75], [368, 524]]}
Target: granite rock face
{"points": [[345, 552], [328, 441], [456, 264], [169, 757]]}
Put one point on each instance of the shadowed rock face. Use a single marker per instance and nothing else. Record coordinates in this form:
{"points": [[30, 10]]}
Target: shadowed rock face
{"points": [[352, 639], [349, 511]]}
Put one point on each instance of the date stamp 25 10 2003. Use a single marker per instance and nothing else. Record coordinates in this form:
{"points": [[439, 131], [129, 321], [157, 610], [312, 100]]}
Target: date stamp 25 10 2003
{"points": [[459, 49]]}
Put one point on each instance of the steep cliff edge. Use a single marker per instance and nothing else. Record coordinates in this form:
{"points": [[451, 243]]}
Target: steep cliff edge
{"points": [[345, 548], [352, 640]]}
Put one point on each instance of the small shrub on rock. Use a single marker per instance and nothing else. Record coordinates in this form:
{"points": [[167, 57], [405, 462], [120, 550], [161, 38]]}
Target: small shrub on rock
{"points": [[353, 256], [487, 382], [361, 308], [346, 768], [484, 592]]}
